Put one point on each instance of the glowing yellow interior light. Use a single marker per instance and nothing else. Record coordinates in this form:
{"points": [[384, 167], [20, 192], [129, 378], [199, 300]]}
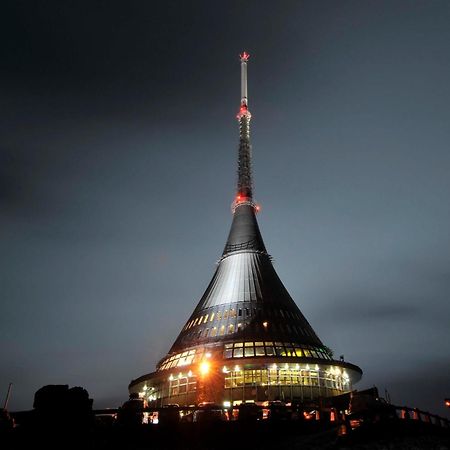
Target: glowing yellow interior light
{"points": [[190, 373], [204, 367], [265, 324]]}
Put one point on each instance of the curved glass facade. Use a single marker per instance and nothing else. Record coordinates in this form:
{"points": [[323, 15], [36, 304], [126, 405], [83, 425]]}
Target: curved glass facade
{"points": [[237, 383], [246, 350]]}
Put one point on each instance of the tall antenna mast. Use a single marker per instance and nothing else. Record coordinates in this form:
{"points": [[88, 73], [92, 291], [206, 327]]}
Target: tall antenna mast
{"points": [[244, 59], [245, 185]]}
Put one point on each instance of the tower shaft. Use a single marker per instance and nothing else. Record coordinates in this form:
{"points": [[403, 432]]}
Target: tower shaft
{"points": [[245, 184]]}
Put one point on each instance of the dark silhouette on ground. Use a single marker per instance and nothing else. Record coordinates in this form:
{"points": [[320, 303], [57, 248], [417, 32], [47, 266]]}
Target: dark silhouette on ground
{"points": [[63, 418]]}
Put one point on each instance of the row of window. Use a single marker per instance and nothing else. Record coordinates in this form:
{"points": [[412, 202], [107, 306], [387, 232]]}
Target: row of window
{"points": [[241, 312], [268, 377], [248, 349], [183, 359], [231, 328], [289, 376]]}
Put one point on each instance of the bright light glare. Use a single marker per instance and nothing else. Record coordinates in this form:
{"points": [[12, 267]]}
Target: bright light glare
{"points": [[204, 368]]}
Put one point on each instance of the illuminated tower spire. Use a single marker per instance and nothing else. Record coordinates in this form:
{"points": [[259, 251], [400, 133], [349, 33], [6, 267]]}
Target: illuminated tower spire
{"points": [[244, 188], [244, 232]]}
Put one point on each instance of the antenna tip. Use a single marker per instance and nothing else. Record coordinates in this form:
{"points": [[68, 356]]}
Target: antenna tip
{"points": [[244, 57]]}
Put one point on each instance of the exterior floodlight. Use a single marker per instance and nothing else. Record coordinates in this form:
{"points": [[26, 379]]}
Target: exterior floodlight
{"points": [[204, 368]]}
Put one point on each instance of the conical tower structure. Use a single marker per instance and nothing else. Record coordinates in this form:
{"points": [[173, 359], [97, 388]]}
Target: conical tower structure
{"points": [[246, 340]]}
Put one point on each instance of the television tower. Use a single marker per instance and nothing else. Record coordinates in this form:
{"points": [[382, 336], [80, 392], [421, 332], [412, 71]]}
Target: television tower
{"points": [[246, 339]]}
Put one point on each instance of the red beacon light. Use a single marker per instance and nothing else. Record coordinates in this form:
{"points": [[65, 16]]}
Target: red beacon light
{"points": [[244, 56]]}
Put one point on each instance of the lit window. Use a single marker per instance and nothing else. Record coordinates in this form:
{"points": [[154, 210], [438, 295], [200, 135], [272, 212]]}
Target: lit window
{"points": [[212, 317], [200, 320], [238, 353], [249, 351], [206, 332], [213, 331], [206, 319], [259, 351], [222, 330], [232, 313], [239, 326], [289, 351], [195, 322], [225, 314], [219, 315], [238, 344], [230, 328]]}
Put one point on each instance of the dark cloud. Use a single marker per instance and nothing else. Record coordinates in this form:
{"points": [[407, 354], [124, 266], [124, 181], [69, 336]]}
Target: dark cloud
{"points": [[372, 309]]}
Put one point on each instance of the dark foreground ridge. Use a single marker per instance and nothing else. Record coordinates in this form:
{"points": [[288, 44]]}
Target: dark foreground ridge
{"points": [[63, 418]]}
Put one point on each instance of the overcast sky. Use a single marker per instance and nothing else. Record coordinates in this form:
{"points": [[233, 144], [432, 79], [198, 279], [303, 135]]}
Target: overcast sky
{"points": [[118, 148]]}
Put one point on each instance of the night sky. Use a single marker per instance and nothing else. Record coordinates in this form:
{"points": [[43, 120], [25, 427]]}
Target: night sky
{"points": [[118, 148]]}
